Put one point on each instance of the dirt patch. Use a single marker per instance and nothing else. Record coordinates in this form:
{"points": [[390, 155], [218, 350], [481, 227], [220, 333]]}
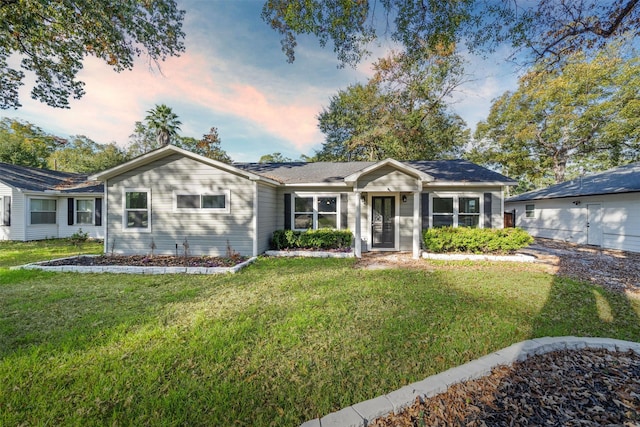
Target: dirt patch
{"points": [[571, 388], [150, 261]]}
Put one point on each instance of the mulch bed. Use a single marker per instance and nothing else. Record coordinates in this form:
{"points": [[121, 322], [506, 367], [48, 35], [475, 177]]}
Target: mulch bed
{"points": [[150, 261], [589, 387]]}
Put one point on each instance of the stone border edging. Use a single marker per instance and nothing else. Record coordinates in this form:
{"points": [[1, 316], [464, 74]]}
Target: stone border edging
{"points": [[360, 414], [132, 269], [311, 254], [474, 257]]}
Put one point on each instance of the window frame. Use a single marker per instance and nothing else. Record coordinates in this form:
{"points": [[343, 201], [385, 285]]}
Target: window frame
{"points": [[125, 211], [315, 211], [92, 211], [201, 194], [456, 207], [55, 211], [530, 213]]}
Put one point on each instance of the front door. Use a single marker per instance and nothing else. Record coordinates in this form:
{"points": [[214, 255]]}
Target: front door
{"points": [[594, 224], [383, 222]]}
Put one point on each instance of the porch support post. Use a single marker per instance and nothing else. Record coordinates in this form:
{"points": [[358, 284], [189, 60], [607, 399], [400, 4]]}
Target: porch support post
{"points": [[417, 225], [358, 231]]}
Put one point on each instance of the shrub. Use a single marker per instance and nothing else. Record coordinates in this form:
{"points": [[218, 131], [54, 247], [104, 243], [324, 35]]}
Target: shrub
{"points": [[475, 240], [324, 238]]}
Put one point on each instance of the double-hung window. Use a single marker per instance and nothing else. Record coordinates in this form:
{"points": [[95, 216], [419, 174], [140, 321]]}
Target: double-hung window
{"points": [[137, 209], [84, 211], [207, 202], [455, 211], [315, 211], [530, 211], [42, 211]]}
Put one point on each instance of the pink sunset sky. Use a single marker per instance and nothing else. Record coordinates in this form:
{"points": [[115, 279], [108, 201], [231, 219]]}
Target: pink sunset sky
{"points": [[234, 76]]}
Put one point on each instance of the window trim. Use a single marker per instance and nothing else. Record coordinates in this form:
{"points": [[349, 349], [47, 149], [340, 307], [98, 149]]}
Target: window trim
{"points": [[530, 213], [93, 211], [456, 207], [126, 229], [314, 220], [55, 201], [201, 210]]}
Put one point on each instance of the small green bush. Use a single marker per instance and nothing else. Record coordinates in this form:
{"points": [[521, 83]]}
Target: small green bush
{"points": [[324, 238], [475, 240]]}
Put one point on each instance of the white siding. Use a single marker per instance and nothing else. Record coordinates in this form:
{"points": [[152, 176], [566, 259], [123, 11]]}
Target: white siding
{"points": [[40, 231], [267, 215], [563, 219], [16, 230], [207, 233], [66, 230], [405, 222], [387, 178]]}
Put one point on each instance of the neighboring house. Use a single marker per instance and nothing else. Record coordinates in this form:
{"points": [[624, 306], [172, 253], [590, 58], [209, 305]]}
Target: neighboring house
{"points": [[601, 210], [39, 204], [171, 200]]}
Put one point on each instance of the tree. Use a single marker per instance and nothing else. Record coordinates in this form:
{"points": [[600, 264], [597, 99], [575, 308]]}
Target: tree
{"points": [[82, 155], [208, 146], [141, 141], [400, 113], [583, 114], [164, 122], [52, 38], [25, 144], [274, 158], [546, 28]]}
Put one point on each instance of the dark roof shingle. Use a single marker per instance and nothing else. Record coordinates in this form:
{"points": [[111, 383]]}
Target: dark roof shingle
{"points": [[623, 179], [34, 179]]}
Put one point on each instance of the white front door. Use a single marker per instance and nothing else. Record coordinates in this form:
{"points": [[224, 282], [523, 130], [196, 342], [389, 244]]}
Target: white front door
{"points": [[594, 224]]}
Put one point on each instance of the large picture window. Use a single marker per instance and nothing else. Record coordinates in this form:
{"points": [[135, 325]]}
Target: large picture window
{"points": [[211, 202], [84, 211], [137, 212], [43, 211], [455, 211], [315, 211]]}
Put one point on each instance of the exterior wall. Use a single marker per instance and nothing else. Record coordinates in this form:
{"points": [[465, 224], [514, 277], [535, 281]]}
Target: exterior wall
{"points": [[387, 178], [405, 222], [207, 233], [267, 215], [562, 219], [16, 230], [66, 230], [40, 231]]}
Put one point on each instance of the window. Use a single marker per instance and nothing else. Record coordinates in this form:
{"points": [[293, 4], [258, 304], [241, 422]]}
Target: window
{"points": [[84, 211], [43, 211], [530, 211], [469, 212], [313, 212], [443, 212], [455, 211], [137, 209], [214, 202]]}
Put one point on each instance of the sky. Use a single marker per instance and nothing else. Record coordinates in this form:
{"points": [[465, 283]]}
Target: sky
{"points": [[234, 76]]}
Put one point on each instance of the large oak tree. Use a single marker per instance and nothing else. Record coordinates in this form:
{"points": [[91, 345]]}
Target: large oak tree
{"points": [[52, 38]]}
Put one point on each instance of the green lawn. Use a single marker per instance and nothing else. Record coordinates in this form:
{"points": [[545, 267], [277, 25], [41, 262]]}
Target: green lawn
{"points": [[19, 253], [284, 341]]}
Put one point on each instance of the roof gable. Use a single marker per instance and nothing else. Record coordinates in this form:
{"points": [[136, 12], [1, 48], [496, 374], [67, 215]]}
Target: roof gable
{"points": [[402, 167], [166, 151]]}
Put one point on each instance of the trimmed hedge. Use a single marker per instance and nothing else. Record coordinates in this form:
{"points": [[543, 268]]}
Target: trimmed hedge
{"points": [[475, 240], [324, 238]]}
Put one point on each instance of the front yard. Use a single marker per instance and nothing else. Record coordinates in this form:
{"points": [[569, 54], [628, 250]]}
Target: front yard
{"points": [[284, 341]]}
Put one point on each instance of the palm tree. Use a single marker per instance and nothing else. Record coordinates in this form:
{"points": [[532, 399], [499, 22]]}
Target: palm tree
{"points": [[164, 122]]}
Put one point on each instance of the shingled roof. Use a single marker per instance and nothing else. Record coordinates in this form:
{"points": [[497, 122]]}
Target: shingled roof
{"points": [[332, 172], [34, 179], [623, 179]]}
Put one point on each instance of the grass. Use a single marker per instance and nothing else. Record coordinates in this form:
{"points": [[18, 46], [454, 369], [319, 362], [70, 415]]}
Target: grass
{"points": [[19, 253], [284, 341]]}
